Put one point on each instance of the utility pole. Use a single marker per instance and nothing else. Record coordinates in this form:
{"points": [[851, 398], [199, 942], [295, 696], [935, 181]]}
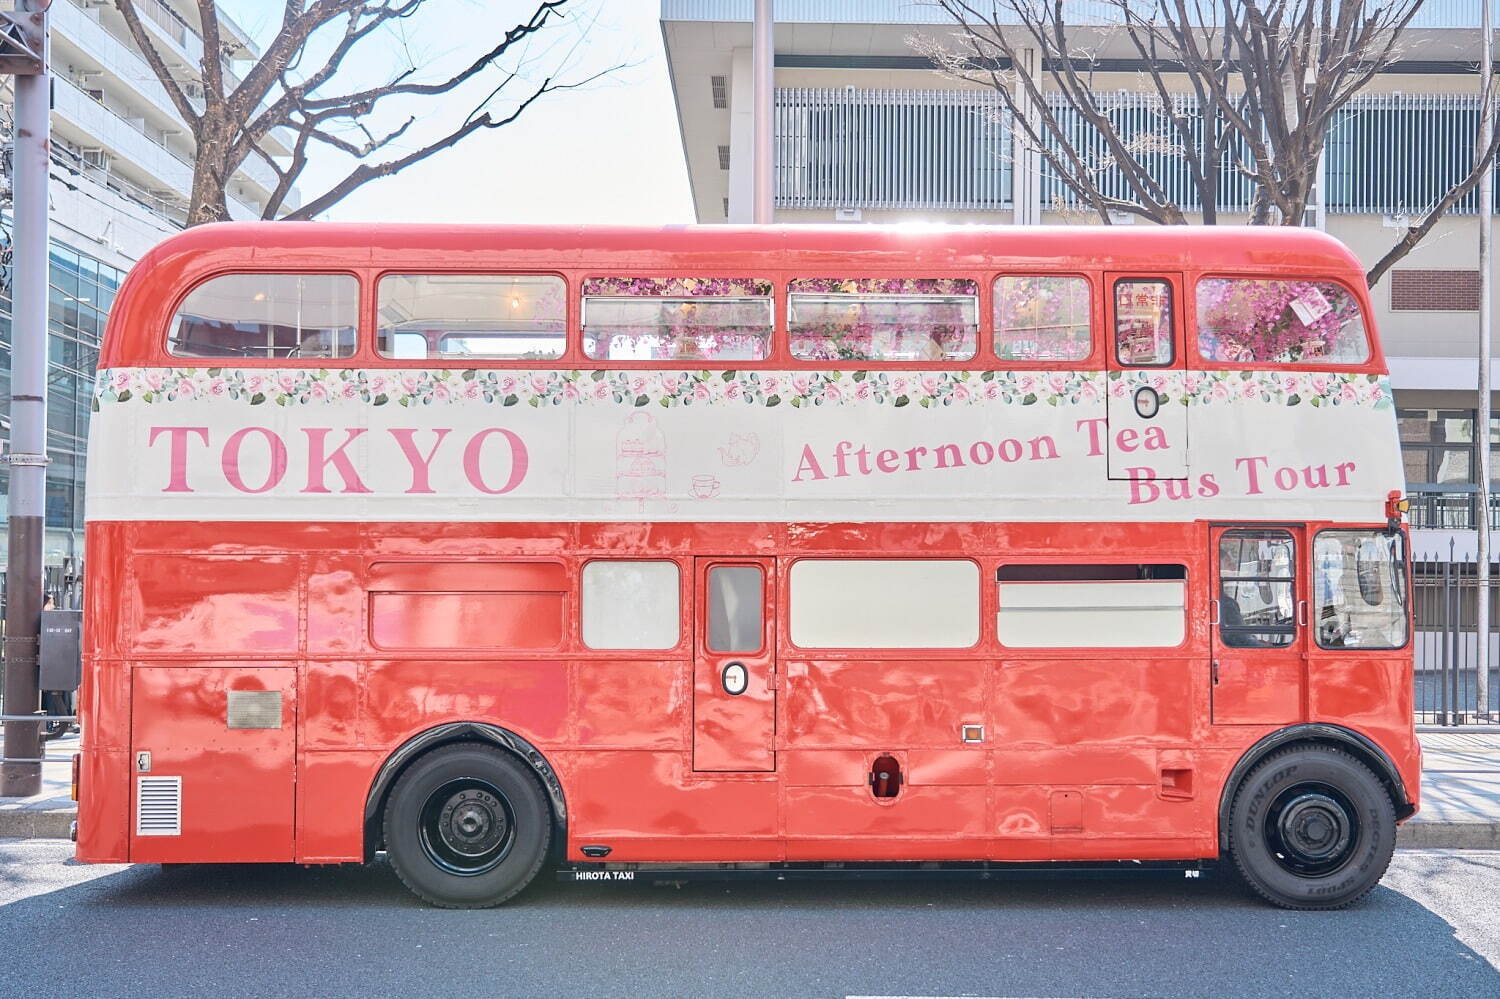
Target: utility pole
{"points": [[763, 56], [24, 53], [1486, 321]]}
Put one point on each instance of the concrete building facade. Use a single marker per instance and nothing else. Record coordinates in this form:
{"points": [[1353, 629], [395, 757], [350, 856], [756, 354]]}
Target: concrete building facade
{"points": [[867, 130]]}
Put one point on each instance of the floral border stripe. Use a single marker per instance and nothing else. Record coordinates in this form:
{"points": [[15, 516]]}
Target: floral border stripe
{"points": [[379, 387]]}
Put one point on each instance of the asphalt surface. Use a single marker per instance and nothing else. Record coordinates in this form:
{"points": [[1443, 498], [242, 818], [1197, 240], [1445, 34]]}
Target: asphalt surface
{"points": [[1431, 929]]}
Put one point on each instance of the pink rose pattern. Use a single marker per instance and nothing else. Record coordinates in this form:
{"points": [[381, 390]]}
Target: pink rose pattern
{"points": [[307, 386]]}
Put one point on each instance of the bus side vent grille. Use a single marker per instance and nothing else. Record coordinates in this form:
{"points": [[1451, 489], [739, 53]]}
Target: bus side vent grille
{"points": [[158, 806], [254, 709]]}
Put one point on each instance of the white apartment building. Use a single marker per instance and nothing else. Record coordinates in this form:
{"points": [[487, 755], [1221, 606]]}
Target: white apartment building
{"points": [[121, 175], [867, 131]]}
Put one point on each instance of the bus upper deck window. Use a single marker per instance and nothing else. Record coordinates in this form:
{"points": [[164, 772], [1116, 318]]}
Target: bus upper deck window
{"points": [[883, 319], [677, 319], [518, 317], [277, 316], [1143, 322], [1042, 318], [1253, 321]]}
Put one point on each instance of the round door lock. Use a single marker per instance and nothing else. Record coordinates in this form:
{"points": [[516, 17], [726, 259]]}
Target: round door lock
{"points": [[735, 678], [1147, 402]]}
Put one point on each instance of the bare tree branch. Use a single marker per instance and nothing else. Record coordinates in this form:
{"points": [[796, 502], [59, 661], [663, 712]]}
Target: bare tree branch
{"points": [[366, 172], [1269, 79], [278, 93], [155, 61]]}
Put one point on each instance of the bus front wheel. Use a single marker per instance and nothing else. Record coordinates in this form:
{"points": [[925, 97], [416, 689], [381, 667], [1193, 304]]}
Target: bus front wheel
{"points": [[467, 826], [1311, 827]]}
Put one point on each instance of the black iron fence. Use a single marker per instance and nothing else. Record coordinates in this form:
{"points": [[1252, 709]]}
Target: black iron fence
{"points": [[1444, 612]]}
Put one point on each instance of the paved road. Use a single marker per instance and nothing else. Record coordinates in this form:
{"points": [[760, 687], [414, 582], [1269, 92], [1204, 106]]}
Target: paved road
{"points": [[1432, 929]]}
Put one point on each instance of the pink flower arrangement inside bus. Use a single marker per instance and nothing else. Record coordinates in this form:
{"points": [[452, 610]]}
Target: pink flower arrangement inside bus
{"points": [[883, 319], [1249, 321], [677, 318]]}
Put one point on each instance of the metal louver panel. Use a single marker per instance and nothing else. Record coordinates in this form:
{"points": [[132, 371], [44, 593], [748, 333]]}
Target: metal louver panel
{"points": [[158, 806], [892, 149]]}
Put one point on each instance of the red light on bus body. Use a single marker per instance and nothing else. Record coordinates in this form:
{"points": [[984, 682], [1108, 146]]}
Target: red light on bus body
{"points": [[1396, 507]]}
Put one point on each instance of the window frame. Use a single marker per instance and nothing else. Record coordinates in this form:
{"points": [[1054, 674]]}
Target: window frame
{"points": [[1177, 322], [579, 276], [467, 362], [983, 605], [1092, 362], [982, 358], [1167, 557], [1315, 608], [686, 624], [363, 301], [773, 332], [767, 579], [1374, 360], [1298, 568]]}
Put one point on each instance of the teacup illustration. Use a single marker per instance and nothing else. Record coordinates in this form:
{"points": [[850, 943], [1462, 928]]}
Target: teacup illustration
{"points": [[705, 486]]}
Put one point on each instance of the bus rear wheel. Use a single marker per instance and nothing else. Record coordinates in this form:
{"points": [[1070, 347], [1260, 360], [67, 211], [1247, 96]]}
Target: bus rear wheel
{"points": [[467, 826], [1312, 828]]}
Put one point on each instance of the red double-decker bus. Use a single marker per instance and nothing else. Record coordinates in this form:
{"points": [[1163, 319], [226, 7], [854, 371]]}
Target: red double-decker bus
{"points": [[779, 549]]}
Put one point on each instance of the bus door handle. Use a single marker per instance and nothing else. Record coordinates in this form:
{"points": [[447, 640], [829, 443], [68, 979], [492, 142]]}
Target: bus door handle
{"points": [[1213, 672], [1213, 611], [1302, 613]]}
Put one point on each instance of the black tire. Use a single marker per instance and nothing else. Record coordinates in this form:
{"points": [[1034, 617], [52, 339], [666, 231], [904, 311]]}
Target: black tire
{"points": [[1312, 828], [467, 826]]}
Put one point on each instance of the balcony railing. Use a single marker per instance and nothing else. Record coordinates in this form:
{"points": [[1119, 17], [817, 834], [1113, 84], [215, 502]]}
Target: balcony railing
{"points": [[1449, 508]]}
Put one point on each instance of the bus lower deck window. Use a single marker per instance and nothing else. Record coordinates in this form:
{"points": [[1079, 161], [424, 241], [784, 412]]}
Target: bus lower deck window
{"points": [[629, 604], [1092, 605], [883, 319], [520, 317], [1257, 589], [884, 603], [1361, 590], [268, 316]]}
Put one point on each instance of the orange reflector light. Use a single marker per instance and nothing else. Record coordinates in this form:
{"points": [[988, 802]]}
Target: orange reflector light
{"points": [[77, 763]]}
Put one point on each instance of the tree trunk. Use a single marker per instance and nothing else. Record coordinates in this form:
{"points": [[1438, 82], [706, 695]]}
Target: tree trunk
{"points": [[208, 202]]}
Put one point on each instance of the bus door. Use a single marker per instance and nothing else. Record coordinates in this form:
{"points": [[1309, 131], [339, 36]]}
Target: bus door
{"points": [[1148, 423], [213, 762], [1259, 624], [734, 664]]}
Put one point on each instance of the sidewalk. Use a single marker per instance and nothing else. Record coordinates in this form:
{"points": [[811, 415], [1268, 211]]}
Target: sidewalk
{"points": [[49, 814], [1460, 791], [1460, 794]]}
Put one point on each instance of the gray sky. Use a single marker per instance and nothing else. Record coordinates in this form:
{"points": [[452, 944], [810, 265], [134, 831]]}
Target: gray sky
{"points": [[609, 152]]}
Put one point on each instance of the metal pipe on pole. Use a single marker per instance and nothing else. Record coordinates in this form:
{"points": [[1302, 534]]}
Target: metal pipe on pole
{"points": [[27, 454], [1486, 322], [763, 57]]}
